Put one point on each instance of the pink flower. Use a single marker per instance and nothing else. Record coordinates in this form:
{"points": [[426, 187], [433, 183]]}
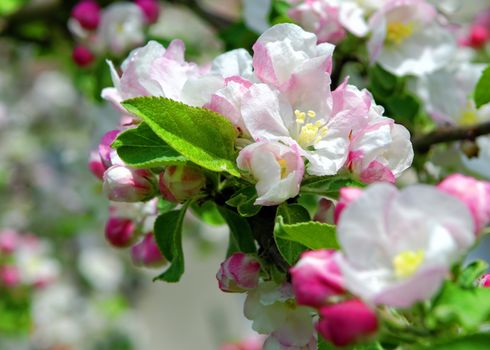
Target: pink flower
{"points": [[315, 278], [9, 276], [150, 8], [250, 343], [277, 168], [239, 273], [9, 241], [95, 165], [82, 56], [106, 152], [146, 253], [120, 232], [347, 196], [475, 194], [324, 211], [274, 343], [179, 183], [484, 281], [347, 322], [124, 184], [87, 13]]}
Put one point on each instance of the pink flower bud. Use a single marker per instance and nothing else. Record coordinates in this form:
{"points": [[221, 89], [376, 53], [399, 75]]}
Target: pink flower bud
{"points": [[478, 36], [347, 195], [484, 281], [120, 232], [9, 276], [146, 253], [347, 322], [475, 194], [324, 212], [82, 56], [316, 277], [95, 165], [105, 150], [239, 273], [150, 9], [123, 184], [178, 183], [9, 240], [87, 13]]}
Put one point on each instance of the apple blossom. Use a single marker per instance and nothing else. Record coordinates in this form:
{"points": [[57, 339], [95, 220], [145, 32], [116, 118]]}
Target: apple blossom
{"points": [[484, 281], [146, 253], [87, 13], [347, 322], [124, 184], [239, 273], [330, 19], [315, 278], [407, 38], [272, 311], [95, 165], [121, 27], [255, 342], [277, 168], [9, 276], [120, 232], [181, 182], [9, 241], [398, 246], [107, 154], [272, 343], [473, 193], [82, 56]]}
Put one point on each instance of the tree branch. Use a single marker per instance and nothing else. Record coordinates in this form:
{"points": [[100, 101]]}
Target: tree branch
{"points": [[423, 143]]}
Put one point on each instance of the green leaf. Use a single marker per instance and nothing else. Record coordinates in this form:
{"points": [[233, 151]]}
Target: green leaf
{"points": [[382, 77], [470, 274], [208, 212], [202, 136], [8, 7], [482, 90], [289, 249], [142, 148], [311, 234], [244, 200], [470, 307], [403, 107], [168, 235], [473, 342], [241, 236], [328, 186]]}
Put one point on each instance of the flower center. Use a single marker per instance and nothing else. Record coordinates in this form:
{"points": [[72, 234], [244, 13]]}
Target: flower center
{"points": [[468, 116], [407, 263], [397, 32], [284, 168], [309, 133]]}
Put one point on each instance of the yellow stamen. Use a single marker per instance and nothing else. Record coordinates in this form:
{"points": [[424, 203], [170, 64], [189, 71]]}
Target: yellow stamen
{"points": [[309, 133], [284, 168], [468, 116], [397, 32], [408, 262], [311, 114]]}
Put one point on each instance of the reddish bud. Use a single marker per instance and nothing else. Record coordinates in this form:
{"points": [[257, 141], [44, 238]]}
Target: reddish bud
{"points": [[87, 13], [484, 281], [9, 240], [239, 273], [178, 183], [478, 36], [146, 253], [120, 232], [150, 9], [347, 322], [105, 150], [95, 165], [9, 276], [347, 195], [82, 56], [124, 184]]}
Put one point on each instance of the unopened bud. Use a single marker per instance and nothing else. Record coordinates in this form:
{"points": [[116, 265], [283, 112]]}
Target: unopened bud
{"points": [[478, 36], [82, 56], [178, 183], [347, 195], [9, 276], [123, 184], [150, 9], [9, 240], [95, 165], [87, 13], [146, 253], [106, 152], [484, 281], [239, 273], [120, 232], [347, 322]]}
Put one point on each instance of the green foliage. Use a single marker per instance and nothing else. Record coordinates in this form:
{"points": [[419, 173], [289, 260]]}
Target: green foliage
{"points": [[470, 274], [15, 311], [290, 214], [142, 148], [202, 136], [482, 90], [209, 213], [244, 200], [241, 236], [168, 235], [311, 234], [473, 342], [328, 186], [469, 307], [8, 7]]}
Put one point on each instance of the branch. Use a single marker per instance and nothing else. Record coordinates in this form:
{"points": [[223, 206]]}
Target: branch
{"points": [[423, 143]]}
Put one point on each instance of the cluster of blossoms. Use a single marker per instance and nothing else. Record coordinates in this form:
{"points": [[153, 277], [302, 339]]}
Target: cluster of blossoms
{"points": [[112, 30], [25, 261]]}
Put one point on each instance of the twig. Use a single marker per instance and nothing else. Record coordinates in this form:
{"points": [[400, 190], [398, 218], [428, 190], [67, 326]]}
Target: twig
{"points": [[423, 143]]}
